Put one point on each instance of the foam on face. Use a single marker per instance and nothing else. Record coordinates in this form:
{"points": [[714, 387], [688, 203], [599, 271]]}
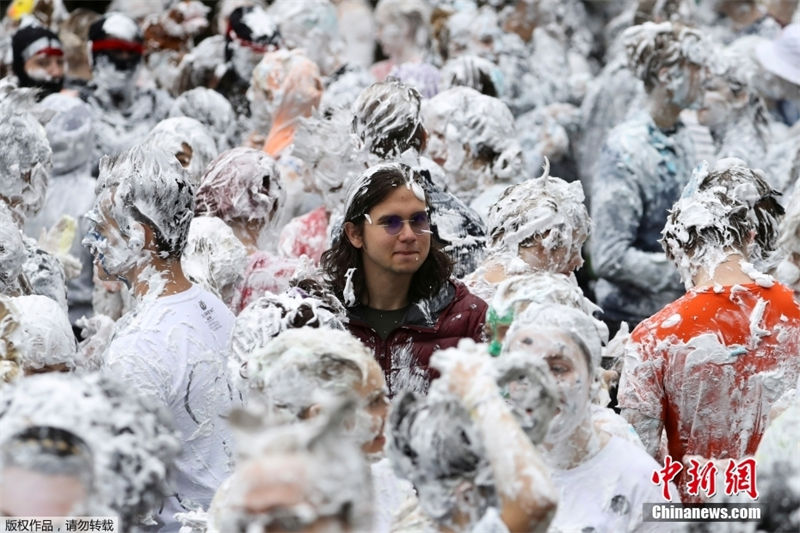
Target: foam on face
{"points": [[462, 125], [517, 293], [652, 45], [69, 132], [147, 183], [547, 208], [531, 390], [262, 320], [305, 367], [311, 25], [211, 109], [325, 146], [193, 19], [402, 28], [285, 85], [308, 468], [131, 440], [435, 445], [383, 111], [12, 254]]}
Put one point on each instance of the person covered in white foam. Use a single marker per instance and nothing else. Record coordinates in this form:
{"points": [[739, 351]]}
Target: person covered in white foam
{"points": [[302, 370], [171, 346], [602, 480], [25, 165], [538, 225], [83, 446], [36, 337]]}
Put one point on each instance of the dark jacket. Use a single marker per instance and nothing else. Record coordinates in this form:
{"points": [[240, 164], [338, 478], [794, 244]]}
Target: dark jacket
{"points": [[429, 325]]}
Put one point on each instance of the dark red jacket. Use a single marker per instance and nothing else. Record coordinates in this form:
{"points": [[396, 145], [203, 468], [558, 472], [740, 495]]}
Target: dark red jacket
{"points": [[433, 324]]}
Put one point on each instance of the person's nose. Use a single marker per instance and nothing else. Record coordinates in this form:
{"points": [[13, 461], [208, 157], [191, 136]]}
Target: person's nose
{"points": [[55, 69], [407, 234]]}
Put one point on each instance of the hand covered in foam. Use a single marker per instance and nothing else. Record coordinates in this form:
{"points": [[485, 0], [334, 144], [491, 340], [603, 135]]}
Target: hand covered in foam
{"points": [[96, 333], [612, 356], [467, 372], [58, 240]]}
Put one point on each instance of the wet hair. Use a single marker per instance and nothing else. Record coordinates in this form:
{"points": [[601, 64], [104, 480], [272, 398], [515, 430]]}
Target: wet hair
{"points": [[470, 71], [434, 444], [739, 201], [370, 189], [306, 304], [151, 187], [484, 127], [735, 77], [651, 47], [37, 334], [386, 118], [27, 150], [210, 108], [338, 482]]}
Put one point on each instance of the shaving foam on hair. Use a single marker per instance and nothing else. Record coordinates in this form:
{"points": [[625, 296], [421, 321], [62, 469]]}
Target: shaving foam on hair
{"points": [[547, 208]]}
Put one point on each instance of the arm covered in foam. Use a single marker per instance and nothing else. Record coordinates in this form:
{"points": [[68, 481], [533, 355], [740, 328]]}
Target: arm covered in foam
{"points": [[527, 496], [617, 210], [641, 393]]}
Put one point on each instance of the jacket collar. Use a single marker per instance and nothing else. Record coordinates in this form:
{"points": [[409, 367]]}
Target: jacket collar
{"points": [[421, 314]]}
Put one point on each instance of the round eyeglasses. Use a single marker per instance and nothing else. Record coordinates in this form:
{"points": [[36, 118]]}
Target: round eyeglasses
{"points": [[393, 224]]}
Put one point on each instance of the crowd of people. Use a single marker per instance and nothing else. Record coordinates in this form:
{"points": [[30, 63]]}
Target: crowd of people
{"points": [[305, 265]]}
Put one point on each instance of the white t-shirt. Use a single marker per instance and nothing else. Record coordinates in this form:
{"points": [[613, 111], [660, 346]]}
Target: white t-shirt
{"points": [[605, 494], [389, 492], [174, 349]]}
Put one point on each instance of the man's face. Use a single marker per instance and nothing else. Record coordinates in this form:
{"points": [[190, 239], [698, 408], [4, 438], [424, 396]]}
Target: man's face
{"points": [[376, 406], [394, 255], [28, 193], [568, 367], [45, 67], [113, 251], [716, 103], [686, 84]]}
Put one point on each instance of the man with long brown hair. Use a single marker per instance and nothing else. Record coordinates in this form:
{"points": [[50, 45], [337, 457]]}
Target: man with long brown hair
{"points": [[387, 268]]}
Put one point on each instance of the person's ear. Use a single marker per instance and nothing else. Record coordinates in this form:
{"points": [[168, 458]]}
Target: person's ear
{"points": [[664, 75], [354, 234], [313, 411], [147, 236]]}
